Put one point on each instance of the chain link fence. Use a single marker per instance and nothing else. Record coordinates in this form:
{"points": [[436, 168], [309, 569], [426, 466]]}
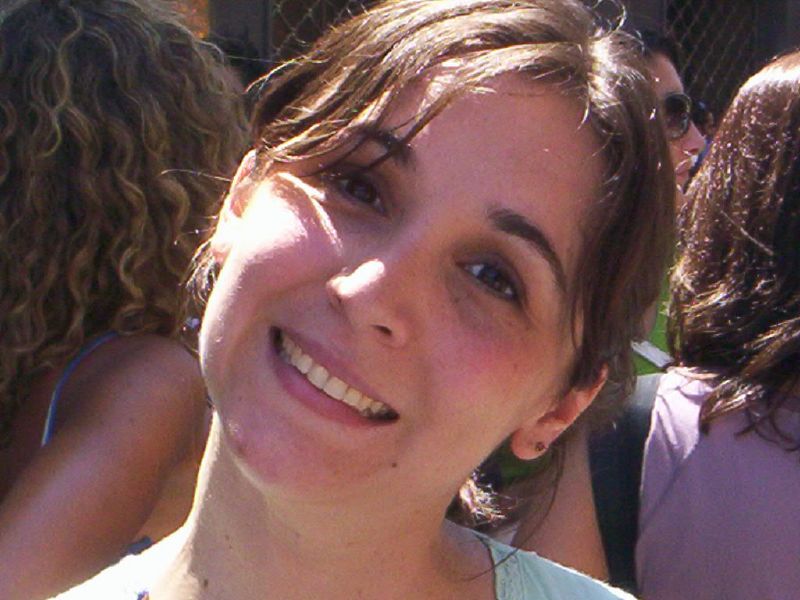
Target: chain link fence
{"points": [[720, 46], [718, 38], [297, 23]]}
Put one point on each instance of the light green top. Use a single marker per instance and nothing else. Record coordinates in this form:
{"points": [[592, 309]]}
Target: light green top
{"points": [[521, 575], [518, 575]]}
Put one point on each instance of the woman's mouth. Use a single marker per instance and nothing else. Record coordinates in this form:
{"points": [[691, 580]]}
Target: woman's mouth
{"points": [[332, 386], [686, 165]]}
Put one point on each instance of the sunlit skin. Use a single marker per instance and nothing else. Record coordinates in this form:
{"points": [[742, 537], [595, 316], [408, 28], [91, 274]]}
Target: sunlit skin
{"points": [[684, 150], [437, 283]]}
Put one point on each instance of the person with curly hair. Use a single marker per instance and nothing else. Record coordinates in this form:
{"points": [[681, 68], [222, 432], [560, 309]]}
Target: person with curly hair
{"points": [[116, 127], [452, 219]]}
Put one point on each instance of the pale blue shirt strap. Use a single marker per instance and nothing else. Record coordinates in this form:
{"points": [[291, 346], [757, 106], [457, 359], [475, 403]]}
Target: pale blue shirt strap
{"points": [[49, 424]]}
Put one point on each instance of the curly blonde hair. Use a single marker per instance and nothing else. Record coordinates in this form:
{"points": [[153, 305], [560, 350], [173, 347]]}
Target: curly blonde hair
{"points": [[116, 129]]}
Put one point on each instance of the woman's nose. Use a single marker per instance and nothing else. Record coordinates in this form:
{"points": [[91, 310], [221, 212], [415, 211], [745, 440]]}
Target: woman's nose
{"points": [[374, 300], [693, 142]]}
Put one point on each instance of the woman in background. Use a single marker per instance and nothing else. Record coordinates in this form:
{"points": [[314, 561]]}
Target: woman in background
{"points": [[114, 122], [721, 477], [663, 59]]}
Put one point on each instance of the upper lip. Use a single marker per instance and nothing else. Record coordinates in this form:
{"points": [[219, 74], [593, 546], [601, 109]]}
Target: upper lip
{"points": [[334, 364]]}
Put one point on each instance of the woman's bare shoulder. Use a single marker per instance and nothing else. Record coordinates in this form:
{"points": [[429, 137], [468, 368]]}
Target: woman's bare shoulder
{"points": [[130, 414]]}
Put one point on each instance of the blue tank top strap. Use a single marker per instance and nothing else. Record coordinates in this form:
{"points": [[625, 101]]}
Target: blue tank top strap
{"points": [[87, 349]]}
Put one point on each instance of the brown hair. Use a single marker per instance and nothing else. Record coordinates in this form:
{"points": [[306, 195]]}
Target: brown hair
{"points": [[109, 109], [655, 43], [313, 105], [736, 285]]}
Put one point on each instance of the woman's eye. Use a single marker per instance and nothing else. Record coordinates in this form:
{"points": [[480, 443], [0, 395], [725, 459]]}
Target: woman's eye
{"points": [[357, 188], [494, 278]]}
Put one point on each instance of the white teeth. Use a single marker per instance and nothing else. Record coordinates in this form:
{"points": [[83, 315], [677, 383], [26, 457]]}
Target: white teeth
{"points": [[353, 398], [363, 404], [318, 376], [335, 388], [332, 386], [295, 353], [303, 363]]}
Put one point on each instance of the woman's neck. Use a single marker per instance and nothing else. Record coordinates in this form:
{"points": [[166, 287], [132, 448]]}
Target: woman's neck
{"points": [[244, 544]]}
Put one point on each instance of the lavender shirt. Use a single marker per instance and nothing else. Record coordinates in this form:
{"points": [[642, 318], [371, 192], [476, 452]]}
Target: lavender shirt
{"points": [[720, 513]]}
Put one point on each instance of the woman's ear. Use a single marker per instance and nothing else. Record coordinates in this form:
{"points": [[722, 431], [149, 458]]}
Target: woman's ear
{"points": [[533, 438], [233, 208]]}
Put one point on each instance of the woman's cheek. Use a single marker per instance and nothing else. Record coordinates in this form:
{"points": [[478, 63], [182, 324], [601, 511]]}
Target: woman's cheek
{"points": [[286, 244], [497, 342]]}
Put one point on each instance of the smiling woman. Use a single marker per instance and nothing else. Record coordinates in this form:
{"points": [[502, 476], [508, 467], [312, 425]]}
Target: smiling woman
{"points": [[451, 222], [408, 271]]}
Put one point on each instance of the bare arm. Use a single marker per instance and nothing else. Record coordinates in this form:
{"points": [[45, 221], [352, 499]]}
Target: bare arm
{"points": [[569, 533], [129, 417]]}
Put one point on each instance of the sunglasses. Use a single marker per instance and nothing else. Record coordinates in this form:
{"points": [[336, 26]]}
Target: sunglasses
{"points": [[677, 114]]}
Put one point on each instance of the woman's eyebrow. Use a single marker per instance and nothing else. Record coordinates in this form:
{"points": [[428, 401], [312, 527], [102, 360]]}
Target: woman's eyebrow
{"points": [[515, 224]]}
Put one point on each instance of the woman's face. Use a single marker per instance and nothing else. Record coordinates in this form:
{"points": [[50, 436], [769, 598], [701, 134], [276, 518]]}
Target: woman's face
{"points": [[427, 297], [685, 149]]}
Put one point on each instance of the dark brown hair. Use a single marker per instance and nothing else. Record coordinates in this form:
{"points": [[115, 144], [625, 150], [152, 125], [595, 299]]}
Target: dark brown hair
{"points": [[314, 105], [110, 114], [736, 285], [655, 43]]}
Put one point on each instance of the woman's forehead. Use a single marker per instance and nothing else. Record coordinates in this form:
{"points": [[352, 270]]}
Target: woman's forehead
{"points": [[665, 76], [541, 118]]}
